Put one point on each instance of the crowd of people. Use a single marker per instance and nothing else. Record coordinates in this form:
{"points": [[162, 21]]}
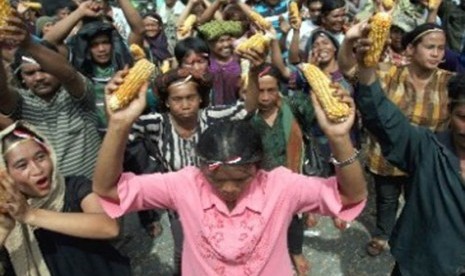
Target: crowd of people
{"points": [[234, 144]]}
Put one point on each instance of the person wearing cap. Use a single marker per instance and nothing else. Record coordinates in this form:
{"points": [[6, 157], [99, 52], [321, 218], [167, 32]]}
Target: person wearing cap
{"points": [[44, 24], [56, 99], [419, 91], [428, 237]]}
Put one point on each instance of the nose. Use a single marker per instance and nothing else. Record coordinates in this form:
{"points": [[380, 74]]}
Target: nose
{"points": [[36, 169], [100, 47], [38, 76]]}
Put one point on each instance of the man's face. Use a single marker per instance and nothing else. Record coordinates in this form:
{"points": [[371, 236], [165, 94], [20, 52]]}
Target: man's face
{"points": [[100, 49], [39, 82], [314, 9], [334, 20], [268, 95], [457, 124]]}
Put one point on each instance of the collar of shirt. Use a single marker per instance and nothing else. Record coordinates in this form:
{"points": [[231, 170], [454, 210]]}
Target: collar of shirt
{"points": [[253, 197]]}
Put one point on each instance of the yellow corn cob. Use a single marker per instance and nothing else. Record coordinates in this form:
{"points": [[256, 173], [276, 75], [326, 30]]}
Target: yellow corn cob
{"points": [[379, 33], [320, 83], [432, 4], [259, 42], [294, 10], [259, 20], [137, 76], [187, 25], [5, 11], [32, 5], [165, 66], [388, 4]]}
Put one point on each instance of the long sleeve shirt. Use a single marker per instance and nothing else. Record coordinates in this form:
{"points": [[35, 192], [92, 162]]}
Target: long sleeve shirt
{"points": [[429, 236]]}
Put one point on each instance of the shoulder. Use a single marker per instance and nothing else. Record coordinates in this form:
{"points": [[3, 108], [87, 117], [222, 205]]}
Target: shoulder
{"points": [[77, 188]]}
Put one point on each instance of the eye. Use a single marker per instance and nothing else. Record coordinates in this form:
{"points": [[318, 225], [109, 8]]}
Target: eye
{"points": [[21, 166]]}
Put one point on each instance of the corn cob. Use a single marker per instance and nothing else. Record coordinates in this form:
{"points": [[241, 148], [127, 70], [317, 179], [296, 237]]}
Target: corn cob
{"points": [[294, 10], [32, 5], [259, 20], [433, 4], [258, 42], [5, 11], [388, 4], [379, 33], [165, 66], [137, 76], [320, 83], [187, 25]]}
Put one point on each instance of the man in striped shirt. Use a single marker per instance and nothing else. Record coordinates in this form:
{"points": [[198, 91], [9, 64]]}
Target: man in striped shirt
{"points": [[57, 100]]}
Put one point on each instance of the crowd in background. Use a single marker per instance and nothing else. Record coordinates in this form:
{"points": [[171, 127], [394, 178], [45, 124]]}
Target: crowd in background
{"points": [[58, 139]]}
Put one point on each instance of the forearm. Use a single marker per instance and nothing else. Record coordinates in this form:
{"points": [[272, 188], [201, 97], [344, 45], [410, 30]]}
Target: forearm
{"points": [[57, 65], [185, 14], [294, 57], [209, 12], [277, 59], [82, 225], [251, 98], [135, 21], [110, 160], [432, 14], [346, 58], [352, 183], [61, 30], [8, 98]]}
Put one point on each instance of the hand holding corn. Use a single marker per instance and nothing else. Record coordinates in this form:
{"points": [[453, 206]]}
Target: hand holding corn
{"points": [[186, 28], [139, 74], [294, 15], [5, 11], [434, 4], [334, 110], [259, 21]]}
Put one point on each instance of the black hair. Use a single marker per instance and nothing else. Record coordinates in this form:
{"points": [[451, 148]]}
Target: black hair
{"points": [[190, 45], [328, 6], [163, 82], [268, 69], [230, 139], [154, 15], [415, 36], [18, 60], [11, 138], [456, 90]]}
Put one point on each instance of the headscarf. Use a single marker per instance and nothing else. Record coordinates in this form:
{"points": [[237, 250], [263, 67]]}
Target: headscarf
{"points": [[159, 43], [22, 244], [80, 47]]}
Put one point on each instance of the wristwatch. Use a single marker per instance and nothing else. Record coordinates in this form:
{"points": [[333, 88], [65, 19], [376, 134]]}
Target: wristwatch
{"points": [[346, 162]]}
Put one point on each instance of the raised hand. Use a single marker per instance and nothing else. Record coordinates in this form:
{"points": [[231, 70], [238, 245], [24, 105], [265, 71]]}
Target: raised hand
{"points": [[15, 32], [90, 9], [335, 129], [256, 59], [16, 205], [129, 114]]}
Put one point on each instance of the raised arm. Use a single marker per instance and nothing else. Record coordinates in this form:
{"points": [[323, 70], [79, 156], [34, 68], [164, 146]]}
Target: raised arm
{"points": [[346, 56], [61, 30], [50, 61], [400, 141], [212, 11], [135, 22], [8, 98], [349, 174], [110, 158]]}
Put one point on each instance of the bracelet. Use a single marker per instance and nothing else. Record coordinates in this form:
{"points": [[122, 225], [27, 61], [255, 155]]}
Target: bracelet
{"points": [[346, 162]]}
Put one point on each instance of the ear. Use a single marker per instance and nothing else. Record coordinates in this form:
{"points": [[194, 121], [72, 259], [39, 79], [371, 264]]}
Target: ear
{"points": [[410, 50]]}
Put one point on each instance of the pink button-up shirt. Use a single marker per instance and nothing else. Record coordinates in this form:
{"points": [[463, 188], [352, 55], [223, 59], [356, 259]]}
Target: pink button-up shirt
{"points": [[249, 240]]}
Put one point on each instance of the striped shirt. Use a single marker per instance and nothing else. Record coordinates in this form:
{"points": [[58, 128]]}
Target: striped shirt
{"points": [[178, 152], [428, 109], [69, 124], [272, 13]]}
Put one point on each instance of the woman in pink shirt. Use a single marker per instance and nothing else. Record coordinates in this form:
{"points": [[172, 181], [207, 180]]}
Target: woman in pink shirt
{"points": [[235, 215]]}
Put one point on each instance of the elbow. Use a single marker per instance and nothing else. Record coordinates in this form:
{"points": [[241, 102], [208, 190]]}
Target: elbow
{"points": [[111, 230]]}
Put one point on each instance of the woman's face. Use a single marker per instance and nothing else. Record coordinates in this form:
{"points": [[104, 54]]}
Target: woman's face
{"points": [[223, 47], [183, 100], [152, 26], [230, 181], [196, 62], [324, 49], [31, 167], [396, 34], [334, 20], [429, 52]]}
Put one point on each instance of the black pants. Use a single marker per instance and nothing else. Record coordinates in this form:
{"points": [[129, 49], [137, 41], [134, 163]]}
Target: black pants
{"points": [[295, 236], [388, 190]]}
